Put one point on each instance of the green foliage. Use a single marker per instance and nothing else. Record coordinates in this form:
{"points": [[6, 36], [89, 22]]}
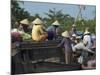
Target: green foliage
{"points": [[17, 13], [66, 21], [81, 25]]}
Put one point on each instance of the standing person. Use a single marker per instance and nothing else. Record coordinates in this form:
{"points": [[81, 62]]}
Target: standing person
{"points": [[81, 47], [38, 32], [66, 42], [87, 39], [24, 24], [53, 30], [73, 30]]}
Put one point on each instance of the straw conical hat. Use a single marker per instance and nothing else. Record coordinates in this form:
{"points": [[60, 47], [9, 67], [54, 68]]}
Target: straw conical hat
{"points": [[25, 21], [37, 21], [56, 23], [86, 32], [73, 25], [65, 34]]}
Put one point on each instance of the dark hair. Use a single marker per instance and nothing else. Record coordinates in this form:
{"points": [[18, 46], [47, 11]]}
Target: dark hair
{"points": [[55, 26], [37, 24]]}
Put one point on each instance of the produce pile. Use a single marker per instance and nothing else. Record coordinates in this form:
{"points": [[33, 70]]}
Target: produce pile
{"points": [[19, 35]]}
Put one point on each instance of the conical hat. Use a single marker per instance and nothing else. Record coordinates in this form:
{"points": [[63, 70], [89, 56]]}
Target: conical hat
{"points": [[73, 25], [65, 34], [86, 32], [37, 21], [56, 23], [25, 21]]}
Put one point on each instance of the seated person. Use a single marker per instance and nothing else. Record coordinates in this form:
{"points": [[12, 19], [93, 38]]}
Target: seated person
{"points": [[38, 33], [53, 30], [24, 24]]}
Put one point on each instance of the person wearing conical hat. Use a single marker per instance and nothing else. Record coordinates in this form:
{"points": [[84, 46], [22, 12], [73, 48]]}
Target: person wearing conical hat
{"points": [[54, 30], [87, 38], [66, 42], [81, 49], [38, 32], [24, 24]]}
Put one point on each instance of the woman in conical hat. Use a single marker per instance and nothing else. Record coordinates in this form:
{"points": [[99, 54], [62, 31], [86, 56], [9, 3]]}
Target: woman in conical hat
{"points": [[24, 24], [38, 32], [66, 42], [54, 30]]}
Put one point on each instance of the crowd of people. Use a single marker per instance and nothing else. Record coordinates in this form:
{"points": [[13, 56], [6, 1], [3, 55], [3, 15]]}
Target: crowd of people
{"points": [[80, 46]]}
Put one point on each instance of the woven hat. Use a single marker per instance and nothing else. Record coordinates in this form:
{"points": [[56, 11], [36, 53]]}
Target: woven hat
{"points": [[65, 34], [25, 21], [37, 21], [56, 23], [74, 25], [86, 32]]}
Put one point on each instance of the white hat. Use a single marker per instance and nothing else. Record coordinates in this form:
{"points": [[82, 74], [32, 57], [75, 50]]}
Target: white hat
{"points": [[14, 30], [74, 35], [56, 23], [25, 21], [65, 34], [73, 25], [86, 32], [78, 37], [37, 21]]}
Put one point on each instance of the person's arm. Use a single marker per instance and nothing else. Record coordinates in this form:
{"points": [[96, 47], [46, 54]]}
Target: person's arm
{"points": [[86, 49], [61, 44], [76, 47], [41, 30]]}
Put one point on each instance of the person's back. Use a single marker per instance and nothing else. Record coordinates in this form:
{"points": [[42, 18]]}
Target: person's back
{"points": [[51, 29], [87, 38], [66, 42], [37, 31]]}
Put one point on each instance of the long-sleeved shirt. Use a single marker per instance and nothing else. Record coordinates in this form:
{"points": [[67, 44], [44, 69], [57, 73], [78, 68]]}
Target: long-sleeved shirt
{"points": [[53, 29], [81, 46], [88, 39], [37, 31], [66, 42]]}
